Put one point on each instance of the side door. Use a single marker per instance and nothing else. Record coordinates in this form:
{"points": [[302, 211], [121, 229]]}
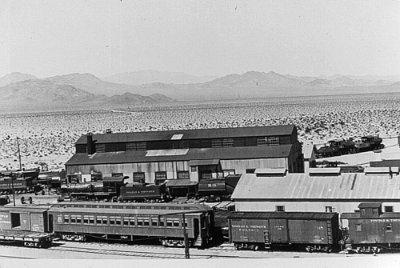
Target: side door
{"points": [[278, 231]]}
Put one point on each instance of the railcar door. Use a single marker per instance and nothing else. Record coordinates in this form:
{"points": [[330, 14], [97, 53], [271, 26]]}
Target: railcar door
{"points": [[278, 230]]}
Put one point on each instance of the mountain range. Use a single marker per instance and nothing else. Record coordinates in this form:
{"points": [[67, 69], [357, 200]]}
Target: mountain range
{"points": [[79, 90]]}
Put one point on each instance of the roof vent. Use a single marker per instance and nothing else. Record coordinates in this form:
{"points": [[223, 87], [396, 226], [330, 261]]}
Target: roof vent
{"points": [[324, 171], [177, 137], [270, 172]]}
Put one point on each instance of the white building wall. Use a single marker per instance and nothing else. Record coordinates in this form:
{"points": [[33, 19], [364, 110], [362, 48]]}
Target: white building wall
{"points": [[306, 206]]}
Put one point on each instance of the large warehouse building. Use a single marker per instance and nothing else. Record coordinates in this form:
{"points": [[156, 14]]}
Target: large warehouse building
{"points": [[192, 155], [319, 190]]}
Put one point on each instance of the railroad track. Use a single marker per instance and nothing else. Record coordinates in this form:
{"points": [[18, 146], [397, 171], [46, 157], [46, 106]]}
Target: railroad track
{"points": [[141, 251]]}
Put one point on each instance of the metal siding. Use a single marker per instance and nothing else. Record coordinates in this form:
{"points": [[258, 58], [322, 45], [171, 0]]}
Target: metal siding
{"points": [[5, 220]]}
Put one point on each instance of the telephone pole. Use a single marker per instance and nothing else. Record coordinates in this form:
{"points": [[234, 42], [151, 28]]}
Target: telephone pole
{"points": [[19, 155]]}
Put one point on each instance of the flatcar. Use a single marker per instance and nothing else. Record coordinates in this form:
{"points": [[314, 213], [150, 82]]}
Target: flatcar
{"points": [[313, 231], [370, 229], [131, 222]]}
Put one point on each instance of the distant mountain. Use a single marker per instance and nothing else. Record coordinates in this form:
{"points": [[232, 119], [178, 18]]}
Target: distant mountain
{"points": [[15, 77], [150, 76], [263, 85], [50, 94]]}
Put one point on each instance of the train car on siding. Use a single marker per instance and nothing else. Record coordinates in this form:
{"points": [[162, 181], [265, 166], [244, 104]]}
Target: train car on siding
{"points": [[309, 230], [370, 229], [133, 222]]}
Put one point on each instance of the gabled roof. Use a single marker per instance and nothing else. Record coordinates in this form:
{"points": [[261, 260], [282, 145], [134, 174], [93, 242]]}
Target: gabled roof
{"points": [[282, 215], [260, 152], [300, 186], [190, 134]]}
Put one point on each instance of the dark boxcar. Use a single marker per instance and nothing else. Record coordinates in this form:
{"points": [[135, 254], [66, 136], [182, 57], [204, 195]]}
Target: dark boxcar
{"points": [[142, 192], [130, 222], [25, 224], [370, 230], [311, 230], [19, 185]]}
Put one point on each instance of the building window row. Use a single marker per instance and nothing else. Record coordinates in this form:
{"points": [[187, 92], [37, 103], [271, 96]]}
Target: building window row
{"points": [[173, 144]]}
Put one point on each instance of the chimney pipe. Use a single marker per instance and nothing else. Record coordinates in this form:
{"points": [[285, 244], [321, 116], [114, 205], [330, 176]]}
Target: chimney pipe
{"points": [[90, 144]]}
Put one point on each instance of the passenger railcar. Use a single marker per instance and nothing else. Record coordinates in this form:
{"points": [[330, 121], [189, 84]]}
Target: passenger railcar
{"points": [[370, 230], [129, 222], [259, 230]]}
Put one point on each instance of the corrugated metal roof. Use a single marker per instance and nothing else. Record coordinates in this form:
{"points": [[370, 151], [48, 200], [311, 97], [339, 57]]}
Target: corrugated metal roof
{"points": [[191, 134], [261, 152], [303, 186], [370, 205], [270, 171]]}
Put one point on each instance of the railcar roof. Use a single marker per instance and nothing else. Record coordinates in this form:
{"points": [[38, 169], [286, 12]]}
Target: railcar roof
{"points": [[283, 215], [356, 215], [120, 212], [108, 205]]}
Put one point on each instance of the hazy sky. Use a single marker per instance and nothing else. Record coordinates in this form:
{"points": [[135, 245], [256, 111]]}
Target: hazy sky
{"points": [[305, 37]]}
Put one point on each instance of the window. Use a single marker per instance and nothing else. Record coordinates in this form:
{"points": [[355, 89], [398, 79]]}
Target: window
{"points": [[280, 208], [73, 219], [153, 222], [161, 176], [161, 222], [112, 220], [98, 220], [229, 172], [66, 218], [388, 208], [250, 170], [146, 222], [169, 223], [118, 220], [139, 177], [85, 219], [358, 228], [132, 221], [140, 222], [126, 221], [91, 219], [182, 175], [268, 140], [193, 169], [176, 223], [104, 220], [363, 211], [389, 228], [328, 209]]}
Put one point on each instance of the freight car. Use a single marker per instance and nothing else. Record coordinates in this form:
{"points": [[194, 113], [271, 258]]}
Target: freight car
{"points": [[131, 222], [312, 231], [370, 229], [26, 225]]}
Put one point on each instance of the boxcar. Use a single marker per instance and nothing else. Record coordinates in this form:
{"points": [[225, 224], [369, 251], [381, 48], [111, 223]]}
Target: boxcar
{"points": [[370, 230], [132, 222], [27, 224], [258, 230]]}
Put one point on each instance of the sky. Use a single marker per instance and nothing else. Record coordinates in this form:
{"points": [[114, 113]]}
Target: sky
{"points": [[200, 37]]}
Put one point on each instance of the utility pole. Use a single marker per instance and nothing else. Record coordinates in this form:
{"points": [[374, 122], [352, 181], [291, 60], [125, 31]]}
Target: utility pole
{"points": [[185, 234], [19, 155]]}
